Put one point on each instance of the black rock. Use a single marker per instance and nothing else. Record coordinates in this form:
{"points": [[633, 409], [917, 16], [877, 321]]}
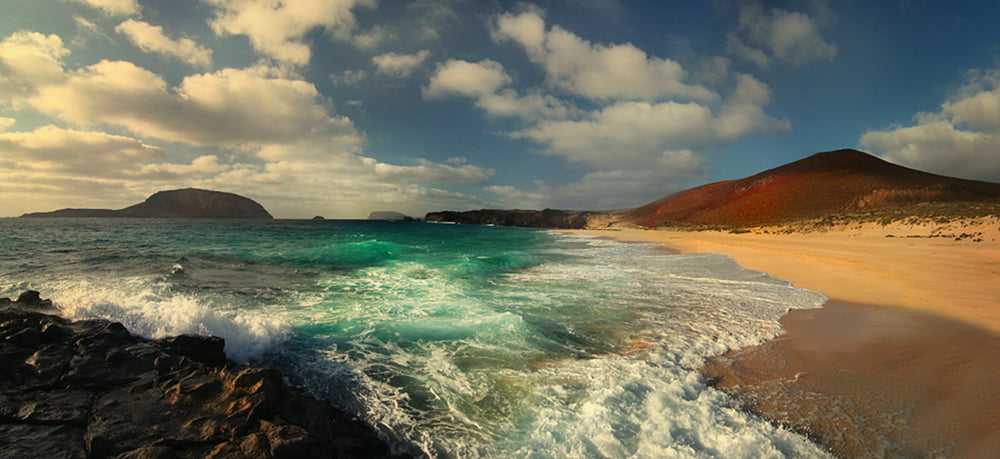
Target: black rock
{"points": [[205, 349], [33, 298], [89, 388]]}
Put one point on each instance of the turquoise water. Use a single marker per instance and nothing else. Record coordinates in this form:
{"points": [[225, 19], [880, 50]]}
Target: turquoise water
{"points": [[453, 340]]}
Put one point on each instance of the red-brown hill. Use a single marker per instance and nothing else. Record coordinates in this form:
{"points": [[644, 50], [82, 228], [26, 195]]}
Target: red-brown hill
{"points": [[826, 183]]}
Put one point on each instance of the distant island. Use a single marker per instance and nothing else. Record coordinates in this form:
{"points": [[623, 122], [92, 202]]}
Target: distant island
{"points": [[389, 215], [184, 203], [823, 186]]}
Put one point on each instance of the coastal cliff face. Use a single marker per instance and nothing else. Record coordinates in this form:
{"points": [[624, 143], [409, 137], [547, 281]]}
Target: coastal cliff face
{"points": [[90, 388], [186, 203]]}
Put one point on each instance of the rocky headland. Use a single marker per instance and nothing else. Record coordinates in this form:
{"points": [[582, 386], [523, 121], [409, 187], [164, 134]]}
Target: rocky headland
{"points": [[548, 218], [834, 186], [91, 389], [185, 203], [390, 215]]}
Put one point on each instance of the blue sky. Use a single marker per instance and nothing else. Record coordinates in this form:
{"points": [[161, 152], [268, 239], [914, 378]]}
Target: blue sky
{"points": [[342, 107]]}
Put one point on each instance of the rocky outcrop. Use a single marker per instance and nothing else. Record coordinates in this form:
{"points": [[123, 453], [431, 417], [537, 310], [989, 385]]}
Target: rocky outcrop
{"points": [[548, 218], [90, 388], [186, 203]]}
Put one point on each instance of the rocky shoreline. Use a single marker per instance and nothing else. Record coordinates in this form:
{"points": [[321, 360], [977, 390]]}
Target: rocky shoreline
{"points": [[91, 389]]}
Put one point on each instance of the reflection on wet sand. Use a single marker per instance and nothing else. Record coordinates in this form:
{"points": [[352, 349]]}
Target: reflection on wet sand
{"points": [[873, 380]]}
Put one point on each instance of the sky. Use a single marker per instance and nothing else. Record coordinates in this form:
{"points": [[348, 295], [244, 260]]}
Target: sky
{"points": [[343, 107]]}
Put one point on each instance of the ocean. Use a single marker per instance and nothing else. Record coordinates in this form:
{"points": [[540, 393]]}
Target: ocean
{"points": [[453, 340]]}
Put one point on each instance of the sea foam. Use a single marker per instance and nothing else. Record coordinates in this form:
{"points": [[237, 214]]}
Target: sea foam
{"points": [[151, 309]]}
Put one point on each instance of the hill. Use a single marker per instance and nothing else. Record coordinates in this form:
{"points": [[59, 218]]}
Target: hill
{"points": [[829, 183], [185, 203], [843, 183]]}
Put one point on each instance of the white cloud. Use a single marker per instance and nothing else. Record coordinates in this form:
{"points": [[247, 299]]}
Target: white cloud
{"points": [[596, 71], [280, 139], [484, 81], [151, 39], [642, 134], [278, 29], [27, 60], [648, 125], [114, 7], [469, 79], [399, 65], [74, 152], [199, 167], [6, 123], [227, 108], [939, 146], [963, 139], [778, 35]]}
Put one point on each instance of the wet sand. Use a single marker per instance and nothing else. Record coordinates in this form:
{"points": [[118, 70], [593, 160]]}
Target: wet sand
{"points": [[915, 378], [874, 381]]}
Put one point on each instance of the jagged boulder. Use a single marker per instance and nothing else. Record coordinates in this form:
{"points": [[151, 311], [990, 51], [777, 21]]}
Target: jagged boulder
{"points": [[90, 388]]}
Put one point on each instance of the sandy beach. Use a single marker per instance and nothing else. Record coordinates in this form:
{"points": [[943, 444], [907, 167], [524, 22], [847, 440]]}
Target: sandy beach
{"points": [[912, 376], [915, 266]]}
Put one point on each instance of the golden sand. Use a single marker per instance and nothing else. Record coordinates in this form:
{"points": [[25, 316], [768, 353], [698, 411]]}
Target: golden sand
{"points": [[918, 266], [914, 378]]}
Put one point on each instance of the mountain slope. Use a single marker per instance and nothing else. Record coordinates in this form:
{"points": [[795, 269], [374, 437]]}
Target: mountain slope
{"points": [[185, 203], [825, 183]]}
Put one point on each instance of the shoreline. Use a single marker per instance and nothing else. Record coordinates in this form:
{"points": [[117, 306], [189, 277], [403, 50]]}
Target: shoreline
{"points": [[908, 266], [895, 362]]}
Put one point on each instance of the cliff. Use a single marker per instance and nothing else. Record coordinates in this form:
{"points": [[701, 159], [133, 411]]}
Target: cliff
{"points": [[185, 203]]}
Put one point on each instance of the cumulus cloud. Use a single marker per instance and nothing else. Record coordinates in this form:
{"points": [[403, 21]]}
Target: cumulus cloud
{"points": [[27, 60], [962, 139], [399, 65], [763, 37], [642, 134], [114, 7], [485, 82], [199, 167], [278, 29], [464, 78], [647, 123], [279, 137], [152, 39], [75, 152], [596, 71], [223, 108]]}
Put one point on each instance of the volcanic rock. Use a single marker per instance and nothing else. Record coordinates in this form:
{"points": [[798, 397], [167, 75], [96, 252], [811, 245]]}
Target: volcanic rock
{"points": [[186, 203], [90, 388]]}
